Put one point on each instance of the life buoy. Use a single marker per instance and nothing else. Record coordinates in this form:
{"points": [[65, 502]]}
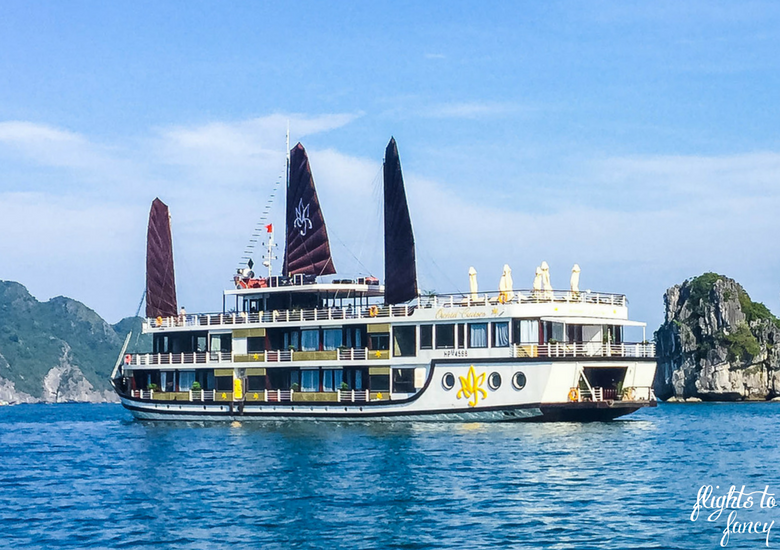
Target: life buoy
{"points": [[574, 394], [159, 321], [373, 311], [128, 359]]}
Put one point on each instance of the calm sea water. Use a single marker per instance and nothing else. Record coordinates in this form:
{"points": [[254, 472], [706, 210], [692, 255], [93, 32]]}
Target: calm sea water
{"points": [[88, 476]]}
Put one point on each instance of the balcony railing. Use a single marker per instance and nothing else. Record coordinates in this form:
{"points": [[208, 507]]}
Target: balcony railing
{"points": [[382, 311], [584, 349], [265, 396], [633, 393], [277, 356]]}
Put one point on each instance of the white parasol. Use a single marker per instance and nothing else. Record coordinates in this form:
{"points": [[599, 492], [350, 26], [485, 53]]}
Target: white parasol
{"points": [[505, 293], [575, 279], [546, 280], [473, 284], [538, 281]]}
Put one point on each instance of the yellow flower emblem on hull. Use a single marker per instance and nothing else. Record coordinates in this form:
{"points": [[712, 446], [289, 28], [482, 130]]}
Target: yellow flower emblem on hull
{"points": [[471, 387]]}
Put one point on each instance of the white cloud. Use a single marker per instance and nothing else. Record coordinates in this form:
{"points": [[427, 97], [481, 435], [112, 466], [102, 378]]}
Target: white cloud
{"points": [[50, 146]]}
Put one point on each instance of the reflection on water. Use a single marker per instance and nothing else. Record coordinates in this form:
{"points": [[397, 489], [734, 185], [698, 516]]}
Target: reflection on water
{"points": [[89, 476]]}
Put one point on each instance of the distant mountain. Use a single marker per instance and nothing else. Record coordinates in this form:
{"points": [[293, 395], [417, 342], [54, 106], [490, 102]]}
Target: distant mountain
{"points": [[58, 350]]}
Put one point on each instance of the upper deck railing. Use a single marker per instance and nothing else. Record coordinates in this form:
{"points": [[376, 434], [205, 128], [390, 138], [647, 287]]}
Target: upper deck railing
{"points": [[383, 311]]}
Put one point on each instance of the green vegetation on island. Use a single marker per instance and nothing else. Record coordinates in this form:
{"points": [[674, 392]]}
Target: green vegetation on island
{"points": [[36, 337]]}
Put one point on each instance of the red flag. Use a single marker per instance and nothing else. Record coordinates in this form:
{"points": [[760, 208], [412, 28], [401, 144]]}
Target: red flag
{"points": [[269, 228]]}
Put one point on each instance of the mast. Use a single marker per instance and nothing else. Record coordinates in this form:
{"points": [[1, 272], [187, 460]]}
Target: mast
{"points": [[400, 263]]}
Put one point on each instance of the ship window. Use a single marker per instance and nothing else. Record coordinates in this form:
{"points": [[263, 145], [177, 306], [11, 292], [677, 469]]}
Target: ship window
{"points": [[378, 382], [354, 378], [448, 381], [494, 381], [166, 381], [224, 383], [255, 383], [291, 339], [461, 335], [221, 342], [445, 336], [278, 379], [615, 334], [206, 378], [574, 333], [176, 346], [500, 335], [255, 344], [403, 380], [310, 340], [379, 341], [200, 344], [331, 379], [552, 331], [310, 380], [526, 331], [186, 380], [518, 380], [354, 337], [426, 336], [331, 338], [478, 335], [404, 344]]}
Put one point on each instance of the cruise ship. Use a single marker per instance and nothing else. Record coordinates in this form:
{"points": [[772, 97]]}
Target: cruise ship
{"points": [[308, 345]]}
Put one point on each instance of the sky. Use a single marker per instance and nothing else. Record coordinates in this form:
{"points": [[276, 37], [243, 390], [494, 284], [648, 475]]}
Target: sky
{"points": [[638, 140]]}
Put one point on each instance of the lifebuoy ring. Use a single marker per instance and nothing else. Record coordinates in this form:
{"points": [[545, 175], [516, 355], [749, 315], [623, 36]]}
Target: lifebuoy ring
{"points": [[373, 311], [128, 359], [159, 321], [574, 394]]}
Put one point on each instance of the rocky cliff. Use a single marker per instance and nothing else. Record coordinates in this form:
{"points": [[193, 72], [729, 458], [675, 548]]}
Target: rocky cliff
{"points": [[56, 351], [716, 344]]}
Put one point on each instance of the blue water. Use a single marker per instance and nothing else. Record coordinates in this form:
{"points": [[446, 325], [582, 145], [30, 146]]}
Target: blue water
{"points": [[88, 476]]}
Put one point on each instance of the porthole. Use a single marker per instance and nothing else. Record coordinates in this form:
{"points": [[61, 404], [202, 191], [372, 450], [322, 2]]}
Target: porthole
{"points": [[448, 381], [494, 381], [518, 380]]}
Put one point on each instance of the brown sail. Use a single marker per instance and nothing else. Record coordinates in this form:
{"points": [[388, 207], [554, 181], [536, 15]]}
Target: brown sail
{"points": [[307, 250], [400, 264], [160, 282]]}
